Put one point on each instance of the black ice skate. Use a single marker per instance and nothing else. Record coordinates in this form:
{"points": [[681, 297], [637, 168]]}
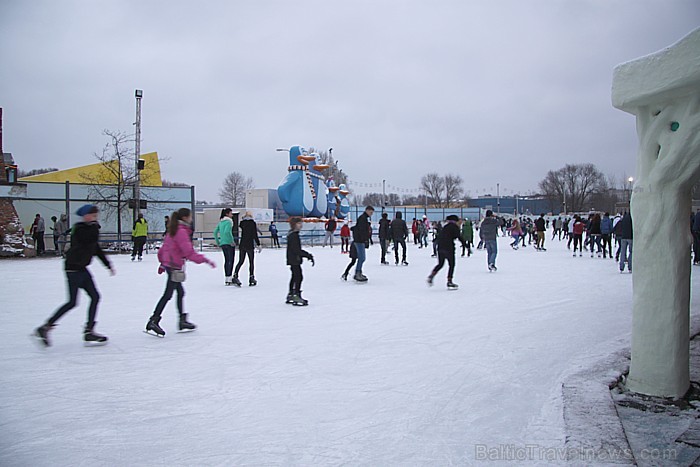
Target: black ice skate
{"points": [[298, 301], [344, 276], [252, 282], [235, 281], [184, 325], [92, 338], [153, 328], [430, 280], [289, 300], [404, 262], [451, 285], [42, 333], [359, 277]]}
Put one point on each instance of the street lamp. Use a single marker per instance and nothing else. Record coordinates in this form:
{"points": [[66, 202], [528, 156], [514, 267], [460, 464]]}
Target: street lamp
{"points": [[631, 184], [137, 156]]}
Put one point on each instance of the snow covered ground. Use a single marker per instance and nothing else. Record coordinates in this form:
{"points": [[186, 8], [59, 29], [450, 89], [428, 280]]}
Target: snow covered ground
{"points": [[385, 373]]}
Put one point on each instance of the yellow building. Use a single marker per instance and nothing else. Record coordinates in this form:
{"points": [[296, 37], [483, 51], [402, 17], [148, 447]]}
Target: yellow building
{"points": [[102, 173]]}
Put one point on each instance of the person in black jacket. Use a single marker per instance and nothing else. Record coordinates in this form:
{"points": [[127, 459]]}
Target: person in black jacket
{"points": [[361, 237], [625, 226], [384, 236], [84, 245], [399, 233], [249, 240], [295, 257], [446, 249]]}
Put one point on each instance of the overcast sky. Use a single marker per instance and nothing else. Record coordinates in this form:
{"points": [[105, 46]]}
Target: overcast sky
{"points": [[494, 91]]}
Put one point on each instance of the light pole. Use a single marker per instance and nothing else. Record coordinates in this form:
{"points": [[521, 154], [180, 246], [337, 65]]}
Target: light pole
{"points": [[137, 156], [383, 195], [498, 198], [631, 184]]}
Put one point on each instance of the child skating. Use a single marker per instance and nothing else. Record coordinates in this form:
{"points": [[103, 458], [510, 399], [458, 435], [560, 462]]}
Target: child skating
{"points": [[177, 247], [295, 257], [84, 245]]}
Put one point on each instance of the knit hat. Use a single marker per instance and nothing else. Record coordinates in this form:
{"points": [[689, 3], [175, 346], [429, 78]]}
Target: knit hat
{"points": [[452, 217], [86, 209]]}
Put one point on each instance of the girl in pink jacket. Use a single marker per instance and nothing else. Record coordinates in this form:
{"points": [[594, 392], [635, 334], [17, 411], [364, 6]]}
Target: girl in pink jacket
{"points": [[177, 247]]}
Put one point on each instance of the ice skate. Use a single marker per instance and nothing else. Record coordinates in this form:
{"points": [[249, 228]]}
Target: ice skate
{"points": [[92, 338], [235, 281], [298, 301], [42, 333], [429, 280], [228, 281], [140, 258], [451, 285], [344, 276], [289, 298], [184, 325], [404, 263], [153, 328], [359, 277], [492, 268], [252, 282]]}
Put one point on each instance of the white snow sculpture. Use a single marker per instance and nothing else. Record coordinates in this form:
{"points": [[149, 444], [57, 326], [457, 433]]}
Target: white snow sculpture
{"points": [[663, 91]]}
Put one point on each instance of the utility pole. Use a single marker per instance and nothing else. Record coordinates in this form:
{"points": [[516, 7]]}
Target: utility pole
{"points": [[498, 198], [137, 157], [383, 195]]}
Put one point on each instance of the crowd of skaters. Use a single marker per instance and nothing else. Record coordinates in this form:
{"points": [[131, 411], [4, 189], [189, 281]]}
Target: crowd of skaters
{"points": [[595, 233]]}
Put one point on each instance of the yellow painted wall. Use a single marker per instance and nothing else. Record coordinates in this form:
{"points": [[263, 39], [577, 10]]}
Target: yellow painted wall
{"points": [[150, 175]]}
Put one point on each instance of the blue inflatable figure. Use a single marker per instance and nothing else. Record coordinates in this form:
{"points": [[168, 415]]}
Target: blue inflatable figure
{"points": [[319, 186], [333, 200], [296, 189], [344, 201]]}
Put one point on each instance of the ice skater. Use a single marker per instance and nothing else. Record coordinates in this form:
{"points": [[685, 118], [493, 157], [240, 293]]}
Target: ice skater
{"points": [[399, 233], [249, 241], [177, 247], [488, 231], [295, 256], [362, 235], [84, 245], [353, 260], [446, 249], [223, 236]]}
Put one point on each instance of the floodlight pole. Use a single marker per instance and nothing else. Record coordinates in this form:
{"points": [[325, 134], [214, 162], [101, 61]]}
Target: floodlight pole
{"points": [[137, 156]]}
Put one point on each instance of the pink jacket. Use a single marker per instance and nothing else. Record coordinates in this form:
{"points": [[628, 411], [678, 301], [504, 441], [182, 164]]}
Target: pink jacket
{"points": [[177, 249]]}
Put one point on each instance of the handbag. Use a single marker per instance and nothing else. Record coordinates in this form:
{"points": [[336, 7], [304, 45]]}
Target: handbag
{"points": [[178, 275]]}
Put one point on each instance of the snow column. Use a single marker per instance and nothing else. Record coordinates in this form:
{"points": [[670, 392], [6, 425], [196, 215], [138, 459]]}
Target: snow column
{"points": [[663, 91]]}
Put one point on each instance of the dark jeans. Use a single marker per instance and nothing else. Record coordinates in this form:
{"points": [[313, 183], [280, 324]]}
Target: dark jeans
{"points": [[401, 242], [383, 242], [242, 254], [40, 246], [170, 287], [607, 245], [276, 241], [79, 280], [139, 242], [578, 242], [442, 256], [352, 263], [229, 256], [297, 277]]}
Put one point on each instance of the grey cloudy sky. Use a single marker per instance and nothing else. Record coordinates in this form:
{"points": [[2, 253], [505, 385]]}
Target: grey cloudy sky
{"points": [[495, 91]]}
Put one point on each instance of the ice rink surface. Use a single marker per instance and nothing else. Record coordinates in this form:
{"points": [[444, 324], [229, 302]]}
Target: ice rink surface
{"points": [[390, 372]]}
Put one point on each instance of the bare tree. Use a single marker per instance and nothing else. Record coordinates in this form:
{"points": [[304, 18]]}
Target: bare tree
{"points": [[334, 171], [434, 186], [573, 184], [28, 173], [233, 190], [113, 185], [453, 190]]}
